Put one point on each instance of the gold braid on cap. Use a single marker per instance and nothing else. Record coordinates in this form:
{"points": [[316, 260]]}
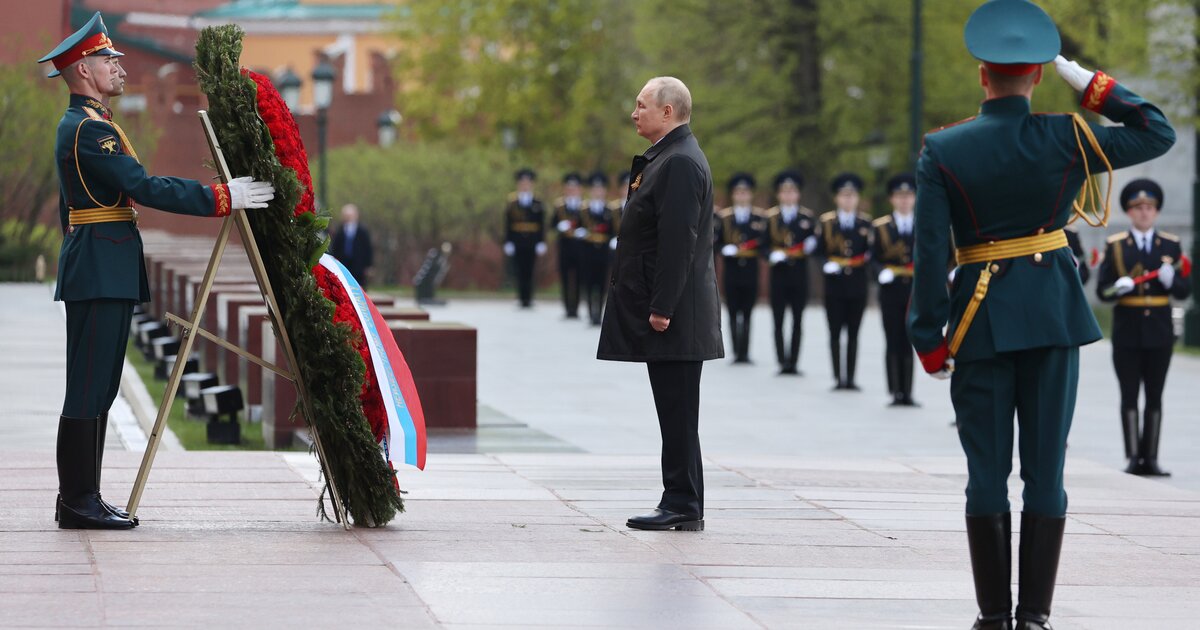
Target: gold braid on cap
{"points": [[1085, 205]]}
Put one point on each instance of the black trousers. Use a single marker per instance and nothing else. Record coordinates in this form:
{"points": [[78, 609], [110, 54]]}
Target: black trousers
{"points": [[898, 357], [741, 292], [97, 332], [568, 273], [1142, 367], [595, 279], [523, 261], [789, 290], [844, 314], [676, 387]]}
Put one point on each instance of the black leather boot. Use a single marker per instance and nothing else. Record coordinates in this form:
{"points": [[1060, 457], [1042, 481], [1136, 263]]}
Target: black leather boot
{"points": [[835, 355], [1129, 433], [1148, 447], [101, 434], [988, 538], [851, 362], [893, 378], [1041, 545], [79, 506]]}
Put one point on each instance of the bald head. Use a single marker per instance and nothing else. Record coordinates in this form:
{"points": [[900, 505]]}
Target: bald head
{"points": [[663, 104], [671, 91]]}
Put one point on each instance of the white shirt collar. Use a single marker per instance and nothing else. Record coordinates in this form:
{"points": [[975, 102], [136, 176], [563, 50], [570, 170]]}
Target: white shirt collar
{"points": [[525, 198], [903, 222], [846, 218], [741, 213], [573, 203], [596, 206], [1140, 239]]}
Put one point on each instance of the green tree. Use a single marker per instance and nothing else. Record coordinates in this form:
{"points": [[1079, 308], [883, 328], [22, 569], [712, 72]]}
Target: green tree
{"points": [[545, 78], [29, 114]]}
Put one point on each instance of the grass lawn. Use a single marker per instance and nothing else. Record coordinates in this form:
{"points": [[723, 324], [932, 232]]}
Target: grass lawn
{"points": [[192, 433]]}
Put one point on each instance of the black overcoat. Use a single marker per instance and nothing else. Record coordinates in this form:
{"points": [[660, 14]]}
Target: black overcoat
{"points": [[664, 260]]}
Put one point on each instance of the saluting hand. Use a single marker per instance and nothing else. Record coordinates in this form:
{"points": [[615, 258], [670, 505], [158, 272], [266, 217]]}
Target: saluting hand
{"points": [[659, 323], [1073, 73]]}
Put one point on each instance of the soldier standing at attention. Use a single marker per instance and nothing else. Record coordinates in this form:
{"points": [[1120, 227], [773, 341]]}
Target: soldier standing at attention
{"points": [[524, 233], [101, 273], [567, 220], [845, 242], [600, 221], [1143, 335], [1005, 183], [891, 257], [791, 237], [741, 234]]}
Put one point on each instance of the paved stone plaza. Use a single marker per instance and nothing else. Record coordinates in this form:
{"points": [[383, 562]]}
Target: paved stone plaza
{"points": [[824, 510]]}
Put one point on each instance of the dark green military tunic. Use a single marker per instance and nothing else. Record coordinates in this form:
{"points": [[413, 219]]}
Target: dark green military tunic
{"points": [[101, 273], [1004, 174]]}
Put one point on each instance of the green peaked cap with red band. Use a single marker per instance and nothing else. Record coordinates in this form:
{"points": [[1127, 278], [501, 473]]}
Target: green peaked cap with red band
{"points": [[92, 39], [1012, 36]]}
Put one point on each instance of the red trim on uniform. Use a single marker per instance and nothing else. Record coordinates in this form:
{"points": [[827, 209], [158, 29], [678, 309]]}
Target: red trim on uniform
{"points": [[99, 41], [221, 205], [943, 127], [970, 207], [1061, 190], [1012, 69], [1097, 91], [934, 360]]}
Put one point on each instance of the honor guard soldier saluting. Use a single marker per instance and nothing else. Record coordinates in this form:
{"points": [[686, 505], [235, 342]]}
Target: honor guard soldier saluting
{"points": [[791, 237], [101, 273], [891, 257], [1005, 183], [845, 243], [567, 220], [1139, 274], [601, 224], [524, 233], [741, 234]]}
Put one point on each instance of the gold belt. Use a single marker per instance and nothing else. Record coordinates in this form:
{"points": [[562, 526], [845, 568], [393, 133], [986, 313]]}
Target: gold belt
{"points": [[1140, 301], [1011, 248], [991, 252], [857, 261], [525, 228], [102, 215], [901, 271]]}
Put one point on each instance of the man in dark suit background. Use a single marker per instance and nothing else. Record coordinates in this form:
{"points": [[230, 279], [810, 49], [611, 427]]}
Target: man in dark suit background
{"points": [[663, 308], [351, 245]]}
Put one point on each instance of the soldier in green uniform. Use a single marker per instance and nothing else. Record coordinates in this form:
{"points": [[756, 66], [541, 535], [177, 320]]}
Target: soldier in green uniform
{"points": [[568, 213], [741, 232], [1003, 182], [101, 273], [891, 259], [791, 237], [845, 244], [524, 233], [1143, 335], [600, 222]]}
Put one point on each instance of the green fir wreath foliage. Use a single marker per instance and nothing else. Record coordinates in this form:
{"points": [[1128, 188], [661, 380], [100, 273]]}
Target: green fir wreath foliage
{"points": [[331, 368]]}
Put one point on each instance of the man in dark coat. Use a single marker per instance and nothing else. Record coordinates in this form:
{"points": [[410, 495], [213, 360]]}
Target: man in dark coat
{"points": [[663, 308], [351, 245]]}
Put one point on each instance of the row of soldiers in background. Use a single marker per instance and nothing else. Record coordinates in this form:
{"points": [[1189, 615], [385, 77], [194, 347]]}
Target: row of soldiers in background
{"points": [[587, 235], [852, 247]]}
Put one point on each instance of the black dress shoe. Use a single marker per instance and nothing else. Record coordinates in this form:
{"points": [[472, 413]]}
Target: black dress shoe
{"points": [[1025, 624], [788, 370], [661, 519], [852, 387]]}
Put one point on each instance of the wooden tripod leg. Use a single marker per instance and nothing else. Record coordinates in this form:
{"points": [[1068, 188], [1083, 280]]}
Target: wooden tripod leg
{"points": [[264, 283], [185, 350]]}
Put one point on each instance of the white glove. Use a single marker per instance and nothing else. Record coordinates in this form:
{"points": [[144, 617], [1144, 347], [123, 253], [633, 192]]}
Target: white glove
{"points": [[509, 249], [950, 276], [810, 244], [540, 248], [564, 225], [580, 232], [777, 256], [886, 276], [831, 268], [612, 244], [1166, 275], [1072, 73], [1123, 285], [945, 372], [244, 192], [729, 250]]}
